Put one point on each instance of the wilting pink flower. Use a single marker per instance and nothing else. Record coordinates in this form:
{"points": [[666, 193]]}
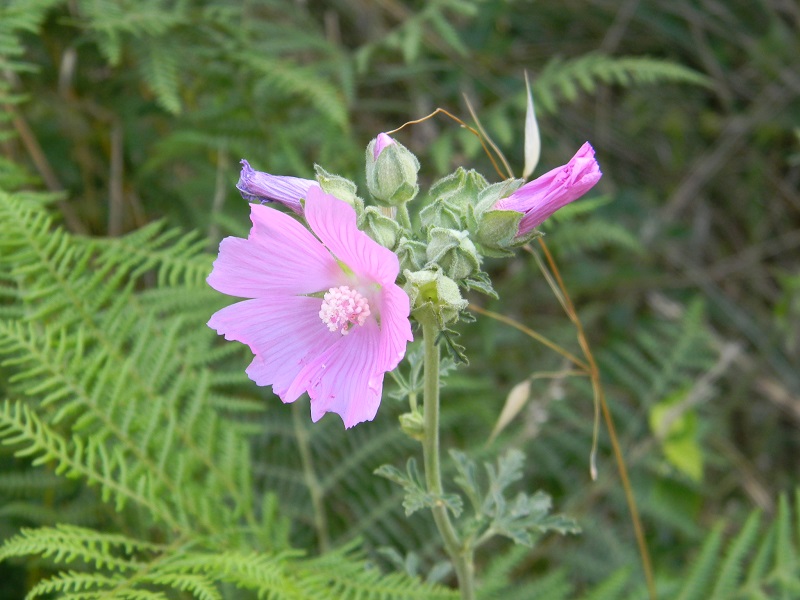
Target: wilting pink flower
{"points": [[540, 198], [381, 142], [257, 186], [324, 316]]}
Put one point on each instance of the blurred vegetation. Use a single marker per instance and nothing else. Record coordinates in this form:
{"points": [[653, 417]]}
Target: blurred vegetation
{"points": [[685, 272]]}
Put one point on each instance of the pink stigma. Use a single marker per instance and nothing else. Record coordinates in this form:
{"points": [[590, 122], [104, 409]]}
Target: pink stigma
{"points": [[342, 308]]}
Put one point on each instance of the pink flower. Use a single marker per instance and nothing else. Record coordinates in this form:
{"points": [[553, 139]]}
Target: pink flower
{"points": [[540, 198], [257, 186], [324, 316]]}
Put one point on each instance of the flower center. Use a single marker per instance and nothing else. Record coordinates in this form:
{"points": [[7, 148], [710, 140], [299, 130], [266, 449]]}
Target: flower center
{"points": [[342, 308]]}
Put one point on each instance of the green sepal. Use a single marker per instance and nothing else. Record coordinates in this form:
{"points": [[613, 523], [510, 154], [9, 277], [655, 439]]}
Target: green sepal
{"points": [[340, 187], [453, 252], [496, 191], [440, 213], [384, 230], [411, 253], [460, 189], [480, 282], [497, 229], [435, 298]]}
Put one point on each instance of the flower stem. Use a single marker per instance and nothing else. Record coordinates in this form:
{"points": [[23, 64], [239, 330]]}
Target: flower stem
{"points": [[403, 217], [460, 555]]}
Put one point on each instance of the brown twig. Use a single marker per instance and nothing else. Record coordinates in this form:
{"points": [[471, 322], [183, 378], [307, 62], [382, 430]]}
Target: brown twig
{"points": [[597, 388]]}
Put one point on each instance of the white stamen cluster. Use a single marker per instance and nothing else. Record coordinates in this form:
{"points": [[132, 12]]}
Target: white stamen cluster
{"points": [[342, 308]]}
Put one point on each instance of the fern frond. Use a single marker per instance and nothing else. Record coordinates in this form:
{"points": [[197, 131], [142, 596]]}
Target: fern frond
{"points": [[19, 16], [112, 20], [91, 461], [567, 78], [301, 81], [339, 574], [66, 543], [576, 237], [81, 585], [698, 578], [730, 570], [160, 68], [611, 588], [100, 359], [662, 357]]}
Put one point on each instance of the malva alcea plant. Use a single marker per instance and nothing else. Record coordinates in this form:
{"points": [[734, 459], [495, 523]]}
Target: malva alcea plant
{"points": [[331, 290]]}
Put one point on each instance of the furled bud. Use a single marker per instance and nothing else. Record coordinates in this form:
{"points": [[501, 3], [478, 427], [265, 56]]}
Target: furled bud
{"points": [[540, 198], [391, 171], [453, 252], [258, 186], [435, 298]]}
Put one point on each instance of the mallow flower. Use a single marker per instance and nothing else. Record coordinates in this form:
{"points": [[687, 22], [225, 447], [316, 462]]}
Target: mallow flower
{"points": [[323, 314], [540, 198], [257, 186]]}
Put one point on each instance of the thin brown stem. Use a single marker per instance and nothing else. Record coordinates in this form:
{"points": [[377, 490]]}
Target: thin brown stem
{"points": [[600, 400]]}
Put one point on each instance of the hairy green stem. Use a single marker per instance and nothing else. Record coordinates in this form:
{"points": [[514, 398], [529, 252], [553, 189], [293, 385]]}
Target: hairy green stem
{"points": [[403, 217], [459, 554]]}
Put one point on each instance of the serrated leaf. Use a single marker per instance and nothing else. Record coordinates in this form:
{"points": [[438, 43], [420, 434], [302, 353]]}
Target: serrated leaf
{"points": [[417, 497], [467, 478]]}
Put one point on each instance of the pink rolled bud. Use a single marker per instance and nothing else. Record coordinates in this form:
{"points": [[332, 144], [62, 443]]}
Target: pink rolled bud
{"points": [[540, 198], [258, 186]]}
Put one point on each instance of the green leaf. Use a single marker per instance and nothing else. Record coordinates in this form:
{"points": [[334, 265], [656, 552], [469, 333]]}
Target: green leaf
{"points": [[676, 426], [417, 497]]}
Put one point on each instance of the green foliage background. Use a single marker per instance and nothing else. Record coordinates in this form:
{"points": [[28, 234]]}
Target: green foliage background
{"points": [[139, 462]]}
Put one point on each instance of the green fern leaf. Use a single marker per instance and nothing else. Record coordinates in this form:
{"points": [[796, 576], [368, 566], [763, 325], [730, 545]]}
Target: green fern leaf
{"points": [[567, 78]]}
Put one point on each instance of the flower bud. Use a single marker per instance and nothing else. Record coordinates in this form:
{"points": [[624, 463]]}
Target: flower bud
{"points": [[391, 171], [440, 213], [258, 186], [453, 252], [384, 230], [435, 298], [540, 198], [460, 189], [411, 254], [413, 425]]}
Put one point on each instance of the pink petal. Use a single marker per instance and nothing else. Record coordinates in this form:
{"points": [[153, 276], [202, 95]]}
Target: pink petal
{"points": [[344, 378], [284, 332], [381, 142], [279, 256], [395, 328], [334, 221]]}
